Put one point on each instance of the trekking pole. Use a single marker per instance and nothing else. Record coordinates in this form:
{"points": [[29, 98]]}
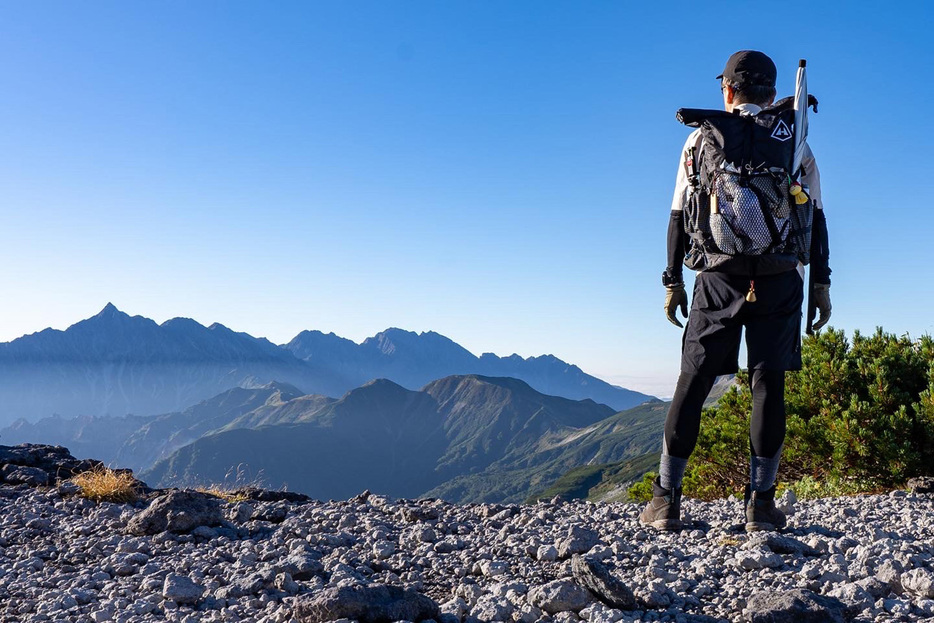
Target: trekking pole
{"points": [[801, 135], [801, 118], [812, 305]]}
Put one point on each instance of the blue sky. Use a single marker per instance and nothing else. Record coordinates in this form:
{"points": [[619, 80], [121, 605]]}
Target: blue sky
{"points": [[498, 172]]}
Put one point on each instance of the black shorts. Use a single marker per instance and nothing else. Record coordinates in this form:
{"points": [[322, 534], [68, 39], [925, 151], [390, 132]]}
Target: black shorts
{"points": [[719, 311]]}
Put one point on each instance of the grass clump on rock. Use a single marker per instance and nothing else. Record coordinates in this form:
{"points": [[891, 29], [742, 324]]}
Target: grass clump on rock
{"points": [[228, 494], [103, 484]]}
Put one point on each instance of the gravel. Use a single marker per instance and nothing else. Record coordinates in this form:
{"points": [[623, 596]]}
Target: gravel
{"points": [[63, 558]]}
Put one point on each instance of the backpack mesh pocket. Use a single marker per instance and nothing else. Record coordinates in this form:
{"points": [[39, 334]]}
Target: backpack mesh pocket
{"points": [[745, 212], [799, 238]]}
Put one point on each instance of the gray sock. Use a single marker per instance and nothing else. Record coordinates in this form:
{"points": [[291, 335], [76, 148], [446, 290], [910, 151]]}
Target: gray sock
{"points": [[671, 471], [762, 471]]}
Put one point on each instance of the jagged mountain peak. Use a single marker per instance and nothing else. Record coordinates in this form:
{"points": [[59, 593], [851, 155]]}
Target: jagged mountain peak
{"points": [[283, 391], [312, 339], [379, 384], [317, 333], [488, 357], [397, 333], [110, 313], [281, 387], [110, 310], [551, 360], [110, 318], [462, 381], [376, 392], [395, 341], [415, 359], [388, 341], [404, 335], [182, 323]]}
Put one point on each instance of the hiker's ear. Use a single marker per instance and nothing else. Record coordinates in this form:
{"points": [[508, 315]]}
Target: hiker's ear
{"points": [[729, 94]]}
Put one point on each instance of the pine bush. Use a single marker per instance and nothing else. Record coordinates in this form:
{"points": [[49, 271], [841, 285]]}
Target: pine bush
{"points": [[860, 419]]}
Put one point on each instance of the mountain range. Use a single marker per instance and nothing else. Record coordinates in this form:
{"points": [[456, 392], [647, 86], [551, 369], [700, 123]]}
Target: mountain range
{"points": [[115, 364], [465, 438]]}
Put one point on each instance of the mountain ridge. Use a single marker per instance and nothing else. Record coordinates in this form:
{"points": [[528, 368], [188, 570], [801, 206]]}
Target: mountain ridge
{"points": [[385, 437], [116, 364], [414, 359]]}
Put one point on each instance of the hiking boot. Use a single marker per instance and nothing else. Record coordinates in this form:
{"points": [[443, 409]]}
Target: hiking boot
{"points": [[761, 513], [664, 511]]}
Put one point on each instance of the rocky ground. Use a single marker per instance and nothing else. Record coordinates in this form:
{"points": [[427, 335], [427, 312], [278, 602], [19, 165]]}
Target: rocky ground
{"points": [[184, 556]]}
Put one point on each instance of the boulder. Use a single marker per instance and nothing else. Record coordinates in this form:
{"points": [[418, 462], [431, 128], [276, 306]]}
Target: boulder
{"points": [[492, 608], [67, 488], [273, 513], [794, 606], [56, 461], [780, 544], [596, 577], [240, 512], [383, 549], [578, 541], [181, 589], [919, 582], [855, 598], [889, 572], [177, 511], [547, 553], [561, 595], [758, 558], [256, 494], [22, 475], [301, 566], [414, 514], [492, 568], [370, 603], [244, 586], [786, 503], [874, 586]]}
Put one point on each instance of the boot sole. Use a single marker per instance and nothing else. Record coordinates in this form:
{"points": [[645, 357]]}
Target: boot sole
{"points": [[761, 526], [667, 525]]}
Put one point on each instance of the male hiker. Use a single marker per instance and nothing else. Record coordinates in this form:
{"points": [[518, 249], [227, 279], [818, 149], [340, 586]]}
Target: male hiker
{"points": [[741, 222]]}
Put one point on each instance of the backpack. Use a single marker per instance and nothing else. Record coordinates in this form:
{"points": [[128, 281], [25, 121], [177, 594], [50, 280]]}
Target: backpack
{"points": [[741, 216]]}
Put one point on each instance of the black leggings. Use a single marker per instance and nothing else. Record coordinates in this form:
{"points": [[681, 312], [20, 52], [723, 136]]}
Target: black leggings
{"points": [[766, 428]]}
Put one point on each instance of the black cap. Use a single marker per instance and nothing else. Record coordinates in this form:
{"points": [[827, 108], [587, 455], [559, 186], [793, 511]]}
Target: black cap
{"points": [[751, 68]]}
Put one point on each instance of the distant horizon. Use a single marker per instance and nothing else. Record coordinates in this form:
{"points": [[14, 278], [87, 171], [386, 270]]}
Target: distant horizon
{"points": [[355, 341]]}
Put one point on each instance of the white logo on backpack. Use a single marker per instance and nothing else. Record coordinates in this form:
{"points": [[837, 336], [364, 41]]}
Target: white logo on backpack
{"points": [[781, 132]]}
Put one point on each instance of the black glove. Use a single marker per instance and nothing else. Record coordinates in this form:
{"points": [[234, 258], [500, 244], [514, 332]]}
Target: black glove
{"points": [[676, 297], [821, 294]]}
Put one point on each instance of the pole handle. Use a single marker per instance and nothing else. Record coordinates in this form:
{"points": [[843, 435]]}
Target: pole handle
{"points": [[802, 63]]}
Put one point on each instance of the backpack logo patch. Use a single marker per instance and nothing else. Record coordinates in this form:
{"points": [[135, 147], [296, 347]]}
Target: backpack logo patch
{"points": [[781, 132]]}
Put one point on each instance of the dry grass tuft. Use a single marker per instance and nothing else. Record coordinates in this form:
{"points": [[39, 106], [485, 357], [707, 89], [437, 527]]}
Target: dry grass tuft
{"points": [[103, 484], [237, 479], [231, 495]]}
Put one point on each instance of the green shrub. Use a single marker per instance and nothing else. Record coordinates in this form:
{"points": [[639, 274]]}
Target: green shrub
{"points": [[860, 418], [642, 491], [808, 488]]}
